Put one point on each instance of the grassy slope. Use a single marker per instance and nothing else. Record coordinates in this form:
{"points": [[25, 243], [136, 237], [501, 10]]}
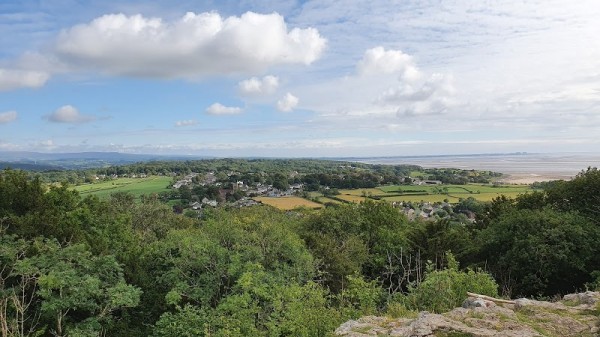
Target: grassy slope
{"points": [[135, 186]]}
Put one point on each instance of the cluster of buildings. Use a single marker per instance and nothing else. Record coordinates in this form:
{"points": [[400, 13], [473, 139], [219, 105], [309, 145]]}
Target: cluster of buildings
{"points": [[429, 211]]}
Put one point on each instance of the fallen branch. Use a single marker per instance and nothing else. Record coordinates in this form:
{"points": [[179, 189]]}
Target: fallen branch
{"points": [[498, 300]]}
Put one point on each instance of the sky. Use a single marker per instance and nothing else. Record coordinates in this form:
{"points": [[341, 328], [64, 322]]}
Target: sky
{"points": [[300, 78]]}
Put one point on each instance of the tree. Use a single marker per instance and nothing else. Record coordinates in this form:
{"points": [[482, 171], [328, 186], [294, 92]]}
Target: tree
{"points": [[78, 293], [433, 239], [20, 195], [580, 194], [18, 313], [540, 252]]}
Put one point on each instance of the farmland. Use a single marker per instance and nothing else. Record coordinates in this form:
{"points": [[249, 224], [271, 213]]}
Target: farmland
{"points": [[135, 186], [433, 193], [390, 193], [287, 203]]}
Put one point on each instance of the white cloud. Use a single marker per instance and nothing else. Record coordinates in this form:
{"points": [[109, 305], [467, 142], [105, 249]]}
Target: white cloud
{"points": [[378, 61], [412, 94], [259, 86], [388, 84], [428, 97], [9, 146], [43, 145], [287, 103], [69, 114], [195, 45], [7, 117], [220, 109], [188, 122], [14, 79]]}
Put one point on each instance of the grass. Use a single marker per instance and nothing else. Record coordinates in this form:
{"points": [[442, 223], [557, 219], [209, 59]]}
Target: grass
{"points": [[288, 203], [424, 198], [135, 186], [325, 200], [363, 191], [433, 193], [452, 334], [350, 197]]}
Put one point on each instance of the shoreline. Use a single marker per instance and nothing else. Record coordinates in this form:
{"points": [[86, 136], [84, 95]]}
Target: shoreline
{"points": [[530, 178]]}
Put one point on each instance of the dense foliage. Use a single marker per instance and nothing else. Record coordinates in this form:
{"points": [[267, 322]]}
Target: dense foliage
{"points": [[314, 173], [89, 267]]}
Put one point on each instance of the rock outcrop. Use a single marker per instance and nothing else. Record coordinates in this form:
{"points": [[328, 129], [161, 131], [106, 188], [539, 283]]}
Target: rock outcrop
{"points": [[575, 316]]}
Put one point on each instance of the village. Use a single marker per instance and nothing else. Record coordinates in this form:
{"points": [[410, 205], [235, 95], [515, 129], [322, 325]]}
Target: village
{"points": [[241, 193]]}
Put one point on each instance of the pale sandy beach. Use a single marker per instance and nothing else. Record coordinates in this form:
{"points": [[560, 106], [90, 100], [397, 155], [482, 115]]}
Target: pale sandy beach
{"points": [[527, 179]]}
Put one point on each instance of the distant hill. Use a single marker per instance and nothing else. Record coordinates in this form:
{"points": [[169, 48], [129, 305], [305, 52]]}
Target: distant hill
{"points": [[29, 166], [40, 161]]}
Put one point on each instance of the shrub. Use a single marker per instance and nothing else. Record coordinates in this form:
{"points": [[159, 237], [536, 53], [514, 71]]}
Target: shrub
{"points": [[443, 290]]}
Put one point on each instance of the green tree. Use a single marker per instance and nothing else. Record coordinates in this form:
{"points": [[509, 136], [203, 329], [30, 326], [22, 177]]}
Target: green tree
{"points": [[540, 252], [78, 293], [581, 194]]}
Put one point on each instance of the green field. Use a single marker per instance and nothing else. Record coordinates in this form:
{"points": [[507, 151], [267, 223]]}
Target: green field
{"points": [[361, 192], [435, 193], [135, 186], [325, 200]]}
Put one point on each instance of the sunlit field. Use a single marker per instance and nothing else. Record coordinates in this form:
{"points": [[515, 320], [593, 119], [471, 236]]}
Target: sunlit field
{"points": [[288, 203], [135, 186]]}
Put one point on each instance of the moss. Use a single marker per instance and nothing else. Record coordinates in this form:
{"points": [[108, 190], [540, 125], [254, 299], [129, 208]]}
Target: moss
{"points": [[452, 334]]}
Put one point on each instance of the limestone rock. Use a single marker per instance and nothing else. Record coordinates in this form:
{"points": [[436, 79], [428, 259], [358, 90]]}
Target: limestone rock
{"points": [[476, 302], [483, 318], [588, 297]]}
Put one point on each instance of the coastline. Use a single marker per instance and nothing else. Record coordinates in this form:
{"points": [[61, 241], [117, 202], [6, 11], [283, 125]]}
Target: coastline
{"points": [[517, 168], [528, 179]]}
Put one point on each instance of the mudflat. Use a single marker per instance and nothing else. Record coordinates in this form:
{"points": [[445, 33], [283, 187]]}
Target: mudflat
{"points": [[522, 168]]}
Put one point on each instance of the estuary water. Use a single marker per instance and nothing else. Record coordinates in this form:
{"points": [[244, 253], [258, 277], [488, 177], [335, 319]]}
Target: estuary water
{"points": [[520, 166]]}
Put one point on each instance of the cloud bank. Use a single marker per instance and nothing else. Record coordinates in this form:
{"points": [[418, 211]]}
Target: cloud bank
{"points": [[194, 46]]}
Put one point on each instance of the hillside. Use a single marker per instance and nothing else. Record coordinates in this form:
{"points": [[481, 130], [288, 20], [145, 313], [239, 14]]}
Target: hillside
{"points": [[575, 315]]}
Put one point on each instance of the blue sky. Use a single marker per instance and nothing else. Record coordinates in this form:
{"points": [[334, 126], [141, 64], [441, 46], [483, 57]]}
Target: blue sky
{"points": [[300, 78]]}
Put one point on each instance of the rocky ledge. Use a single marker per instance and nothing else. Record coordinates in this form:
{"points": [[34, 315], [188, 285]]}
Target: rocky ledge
{"points": [[576, 315]]}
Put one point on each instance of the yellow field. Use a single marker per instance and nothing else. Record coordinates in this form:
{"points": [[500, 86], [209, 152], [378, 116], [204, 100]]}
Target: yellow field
{"points": [[288, 203], [350, 198]]}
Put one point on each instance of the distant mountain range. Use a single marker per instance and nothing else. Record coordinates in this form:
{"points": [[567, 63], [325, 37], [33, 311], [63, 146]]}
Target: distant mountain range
{"points": [[39, 161]]}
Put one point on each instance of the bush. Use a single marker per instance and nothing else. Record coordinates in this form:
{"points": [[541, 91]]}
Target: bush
{"points": [[360, 297], [443, 290]]}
